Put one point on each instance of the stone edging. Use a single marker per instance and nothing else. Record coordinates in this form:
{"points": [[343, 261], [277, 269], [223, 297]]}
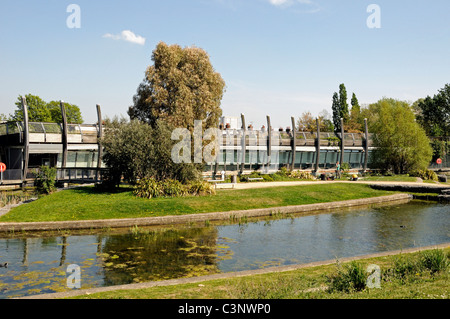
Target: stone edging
{"points": [[192, 218], [244, 273]]}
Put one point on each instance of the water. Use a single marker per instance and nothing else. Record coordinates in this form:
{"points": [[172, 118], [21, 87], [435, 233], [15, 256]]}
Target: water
{"points": [[38, 265]]}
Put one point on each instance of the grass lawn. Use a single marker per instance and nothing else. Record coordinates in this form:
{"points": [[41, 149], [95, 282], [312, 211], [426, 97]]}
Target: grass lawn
{"points": [[86, 203], [309, 283], [394, 178]]}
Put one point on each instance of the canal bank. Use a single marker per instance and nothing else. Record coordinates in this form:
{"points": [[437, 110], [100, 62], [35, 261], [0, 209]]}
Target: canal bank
{"points": [[195, 218], [247, 273]]}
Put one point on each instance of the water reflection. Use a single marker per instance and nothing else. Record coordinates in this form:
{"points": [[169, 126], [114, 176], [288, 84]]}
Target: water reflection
{"points": [[38, 265]]}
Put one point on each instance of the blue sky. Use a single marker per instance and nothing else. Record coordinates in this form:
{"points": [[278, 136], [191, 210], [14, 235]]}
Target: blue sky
{"points": [[277, 57]]}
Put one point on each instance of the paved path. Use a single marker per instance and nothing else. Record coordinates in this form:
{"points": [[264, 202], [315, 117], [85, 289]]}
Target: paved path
{"points": [[294, 183]]}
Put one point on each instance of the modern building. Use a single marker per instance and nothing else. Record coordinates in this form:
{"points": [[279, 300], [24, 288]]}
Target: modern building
{"points": [[75, 149], [72, 148]]}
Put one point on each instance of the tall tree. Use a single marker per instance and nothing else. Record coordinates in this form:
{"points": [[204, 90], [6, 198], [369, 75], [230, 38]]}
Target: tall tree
{"points": [[180, 87], [336, 109], [355, 123], [401, 143], [343, 103], [356, 109]]}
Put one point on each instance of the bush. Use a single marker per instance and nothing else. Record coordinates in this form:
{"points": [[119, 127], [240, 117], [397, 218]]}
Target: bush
{"points": [[404, 266], [172, 188], [425, 174], [434, 261], [200, 188], [150, 188], [302, 175], [45, 179], [350, 278]]}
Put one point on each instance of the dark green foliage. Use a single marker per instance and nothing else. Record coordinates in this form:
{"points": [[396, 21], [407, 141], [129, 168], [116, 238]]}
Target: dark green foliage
{"points": [[135, 150], [45, 179], [434, 113], [348, 278], [434, 261], [336, 112], [344, 113]]}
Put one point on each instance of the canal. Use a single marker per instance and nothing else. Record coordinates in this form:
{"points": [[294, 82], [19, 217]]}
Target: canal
{"points": [[39, 264]]}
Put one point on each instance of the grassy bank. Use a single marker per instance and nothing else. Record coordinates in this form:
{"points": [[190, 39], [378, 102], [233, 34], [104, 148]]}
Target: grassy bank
{"points": [[86, 203], [420, 275]]}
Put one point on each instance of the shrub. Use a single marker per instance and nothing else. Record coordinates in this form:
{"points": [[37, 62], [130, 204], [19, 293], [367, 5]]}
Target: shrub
{"points": [[434, 260], [425, 174], [404, 266], [302, 175], [45, 179], [172, 188], [148, 188], [351, 277], [200, 188]]}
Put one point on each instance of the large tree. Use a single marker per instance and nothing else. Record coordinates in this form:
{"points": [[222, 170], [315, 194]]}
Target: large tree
{"points": [[336, 109], [401, 143], [181, 86], [343, 103], [434, 113]]}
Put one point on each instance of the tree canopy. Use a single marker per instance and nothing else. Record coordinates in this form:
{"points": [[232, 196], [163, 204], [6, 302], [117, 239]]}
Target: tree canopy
{"points": [[402, 145], [41, 111], [434, 113], [181, 86]]}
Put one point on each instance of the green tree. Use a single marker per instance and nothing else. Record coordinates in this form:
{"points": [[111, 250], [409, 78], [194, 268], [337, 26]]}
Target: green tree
{"points": [[343, 103], [355, 123], [180, 87], [433, 113], [336, 109], [401, 144], [135, 150], [37, 109], [41, 111], [73, 112]]}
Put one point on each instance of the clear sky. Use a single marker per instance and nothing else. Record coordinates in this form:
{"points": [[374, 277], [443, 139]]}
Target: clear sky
{"points": [[277, 57]]}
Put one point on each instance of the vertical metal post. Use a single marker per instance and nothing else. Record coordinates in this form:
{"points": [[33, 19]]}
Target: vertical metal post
{"points": [[64, 138], [342, 142], [243, 142], [99, 142], [269, 141], [26, 140], [366, 145], [317, 146], [294, 142]]}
